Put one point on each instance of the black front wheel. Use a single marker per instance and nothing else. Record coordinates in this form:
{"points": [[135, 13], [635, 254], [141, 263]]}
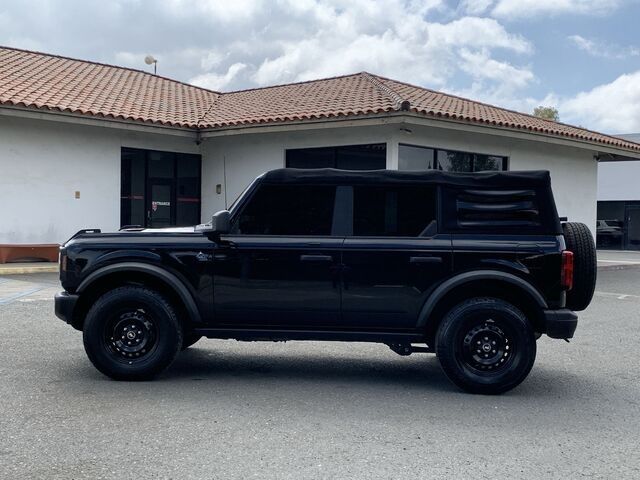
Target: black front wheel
{"points": [[132, 333], [486, 345]]}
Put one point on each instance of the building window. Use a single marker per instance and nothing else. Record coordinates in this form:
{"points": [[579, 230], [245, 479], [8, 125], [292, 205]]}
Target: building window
{"points": [[412, 157], [618, 225], [348, 157], [159, 189]]}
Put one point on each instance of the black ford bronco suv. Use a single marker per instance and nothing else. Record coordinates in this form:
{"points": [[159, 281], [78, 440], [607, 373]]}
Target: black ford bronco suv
{"points": [[474, 267]]}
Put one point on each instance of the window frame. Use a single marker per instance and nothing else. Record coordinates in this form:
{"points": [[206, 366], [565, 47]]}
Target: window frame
{"points": [[436, 163]]}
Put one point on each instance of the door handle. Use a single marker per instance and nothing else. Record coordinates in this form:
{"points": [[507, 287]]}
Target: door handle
{"points": [[316, 258], [425, 260]]}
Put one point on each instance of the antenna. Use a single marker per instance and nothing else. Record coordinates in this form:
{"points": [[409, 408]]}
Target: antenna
{"points": [[150, 60]]}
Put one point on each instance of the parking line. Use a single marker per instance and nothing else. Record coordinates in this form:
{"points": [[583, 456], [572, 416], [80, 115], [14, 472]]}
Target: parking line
{"points": [[4, 301], [619, 296]]}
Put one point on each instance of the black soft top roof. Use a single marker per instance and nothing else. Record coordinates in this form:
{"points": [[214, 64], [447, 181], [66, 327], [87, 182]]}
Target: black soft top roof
{"points": [[332, 176]]}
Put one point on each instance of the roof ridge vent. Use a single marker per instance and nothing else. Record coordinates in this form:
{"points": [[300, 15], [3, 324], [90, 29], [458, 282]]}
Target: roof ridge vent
{"points": [[400, 103]]}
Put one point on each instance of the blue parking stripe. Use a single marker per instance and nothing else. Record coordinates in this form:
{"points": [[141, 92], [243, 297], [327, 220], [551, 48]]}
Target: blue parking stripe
{"points": [[7, 300]]}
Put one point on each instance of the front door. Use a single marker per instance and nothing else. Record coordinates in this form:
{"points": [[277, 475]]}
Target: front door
{"points": [[280, 265], [160, 208]]}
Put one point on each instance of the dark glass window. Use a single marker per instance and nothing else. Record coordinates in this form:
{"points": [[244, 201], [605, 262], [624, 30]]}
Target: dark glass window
{"points": [[288, 210], [161, 164], [415, 158], [159, 189], [411, 157], [188, 189], [612, 225], [455, 161], [403, 211], [349, 157], [132, 205]]}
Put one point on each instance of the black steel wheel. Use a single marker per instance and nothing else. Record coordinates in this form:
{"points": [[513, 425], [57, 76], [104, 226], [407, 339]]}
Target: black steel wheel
{"points": [[132, 333], [486, 345]]}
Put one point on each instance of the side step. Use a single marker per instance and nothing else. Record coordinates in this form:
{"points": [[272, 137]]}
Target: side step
{"points": [[256, 335]]}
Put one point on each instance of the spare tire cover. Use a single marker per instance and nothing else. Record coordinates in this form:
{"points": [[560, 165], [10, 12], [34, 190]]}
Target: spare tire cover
{"points": [[579, 240]]}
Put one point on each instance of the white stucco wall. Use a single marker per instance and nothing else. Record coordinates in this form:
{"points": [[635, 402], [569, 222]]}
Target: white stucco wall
{"points": [[43, 164], [619, 180], [244, 157], [573, 170]]}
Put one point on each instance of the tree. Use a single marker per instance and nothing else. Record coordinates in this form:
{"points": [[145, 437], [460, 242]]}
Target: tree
{"points": [[550, 113]]}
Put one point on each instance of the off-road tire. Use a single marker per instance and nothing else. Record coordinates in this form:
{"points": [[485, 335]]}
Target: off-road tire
{"points": [[579, 240], [151, 314], [456, 346]]}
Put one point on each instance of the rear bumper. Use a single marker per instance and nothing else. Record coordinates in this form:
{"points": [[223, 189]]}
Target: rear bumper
{"points": [[560, 323], [65, 304]]}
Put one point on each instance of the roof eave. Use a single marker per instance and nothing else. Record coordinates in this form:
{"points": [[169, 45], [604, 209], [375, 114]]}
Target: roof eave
{"points": [[401, 117], [48, 114]]}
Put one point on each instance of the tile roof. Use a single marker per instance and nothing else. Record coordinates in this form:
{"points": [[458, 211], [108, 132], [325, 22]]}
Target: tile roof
{"points": [[37, 80], [50, 82]]}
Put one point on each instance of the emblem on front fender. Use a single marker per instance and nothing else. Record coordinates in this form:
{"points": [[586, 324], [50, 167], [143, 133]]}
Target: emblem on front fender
{"points": [[203, 257]]}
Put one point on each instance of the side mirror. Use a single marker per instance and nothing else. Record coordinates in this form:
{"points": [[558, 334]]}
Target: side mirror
{"points": [[220, 224]]}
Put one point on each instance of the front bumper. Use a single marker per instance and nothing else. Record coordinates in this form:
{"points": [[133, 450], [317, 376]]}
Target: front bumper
{"points": [[65, 304], [560, 323]]}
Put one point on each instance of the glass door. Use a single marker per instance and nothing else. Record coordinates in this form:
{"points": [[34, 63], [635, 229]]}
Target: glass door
{"points": [[159, 189], [160, 210]]}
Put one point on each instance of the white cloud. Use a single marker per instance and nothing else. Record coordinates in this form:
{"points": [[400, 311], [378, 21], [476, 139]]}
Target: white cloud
{"points": [[407, 46], [480, 66], [528, 8], [613, 107], [475, 7], [215, 81], [242, 43], [604, 50]]}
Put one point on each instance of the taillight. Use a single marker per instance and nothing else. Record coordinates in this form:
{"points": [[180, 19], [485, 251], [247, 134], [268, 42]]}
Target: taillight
{"points": [[566, 277]]}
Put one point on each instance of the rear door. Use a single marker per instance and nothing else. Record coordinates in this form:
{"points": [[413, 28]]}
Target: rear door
{"points": [[280, 266], [394, 256]]}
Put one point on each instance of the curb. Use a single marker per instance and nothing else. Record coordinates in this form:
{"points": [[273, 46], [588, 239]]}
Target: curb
{"points": [[618, 266], [17, 270]]}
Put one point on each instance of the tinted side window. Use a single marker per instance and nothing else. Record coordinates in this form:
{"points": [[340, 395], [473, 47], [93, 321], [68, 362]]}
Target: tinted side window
{"points": [[288, 210], [393, 211]]}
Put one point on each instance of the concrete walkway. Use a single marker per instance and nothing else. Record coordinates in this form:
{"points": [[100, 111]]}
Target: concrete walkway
{"points": [[618, 259], [28, 267]]}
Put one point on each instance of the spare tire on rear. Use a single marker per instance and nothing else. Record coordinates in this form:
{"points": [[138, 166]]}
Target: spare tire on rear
{"points": [[579, 240]]}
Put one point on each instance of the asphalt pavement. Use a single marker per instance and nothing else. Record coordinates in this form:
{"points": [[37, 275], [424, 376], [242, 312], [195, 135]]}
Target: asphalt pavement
{"points": [[298, 410]]}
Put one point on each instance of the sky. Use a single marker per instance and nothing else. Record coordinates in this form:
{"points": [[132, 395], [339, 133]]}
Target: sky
{"points": [[579, 56]]}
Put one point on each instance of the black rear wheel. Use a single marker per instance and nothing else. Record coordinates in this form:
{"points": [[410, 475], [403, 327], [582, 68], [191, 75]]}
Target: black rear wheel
{"points": [[132, 333], [486, 345]]}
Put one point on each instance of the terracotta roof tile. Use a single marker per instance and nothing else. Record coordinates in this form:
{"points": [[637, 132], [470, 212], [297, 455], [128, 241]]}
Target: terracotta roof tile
{"points": [[51, 82], [37, 80]]}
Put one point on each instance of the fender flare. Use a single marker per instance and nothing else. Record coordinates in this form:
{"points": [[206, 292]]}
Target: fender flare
{"points": [[458, 280], [160, 273]]}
